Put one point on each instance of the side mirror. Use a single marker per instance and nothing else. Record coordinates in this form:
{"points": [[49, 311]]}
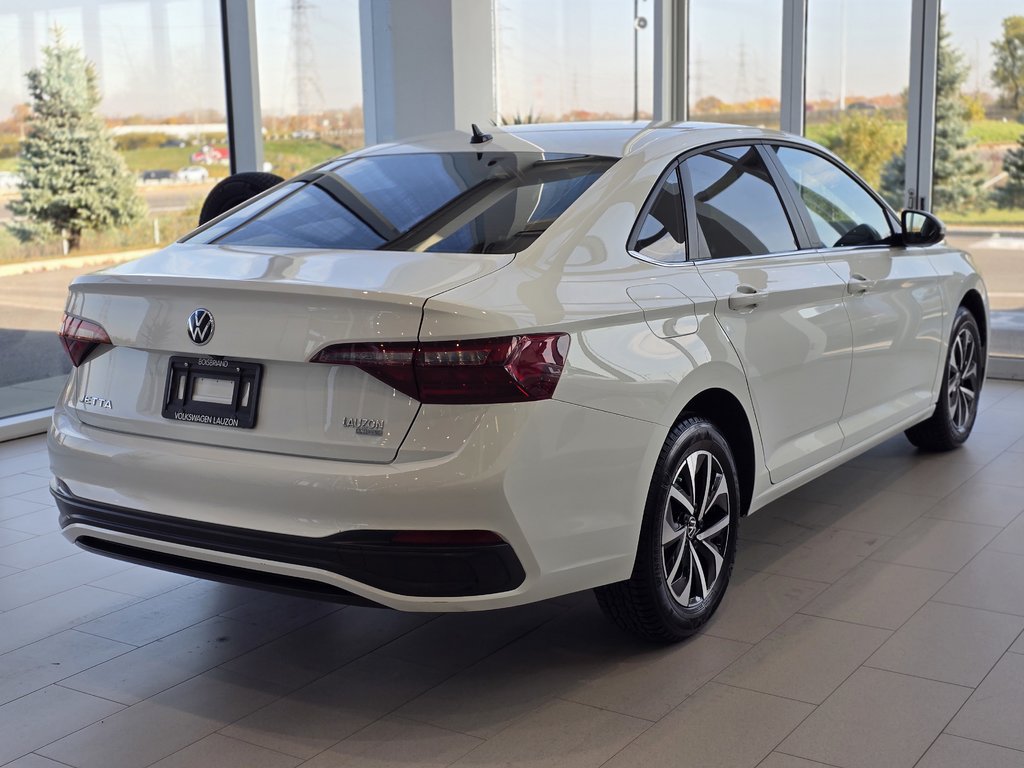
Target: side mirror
{"points": [[921, 228]]}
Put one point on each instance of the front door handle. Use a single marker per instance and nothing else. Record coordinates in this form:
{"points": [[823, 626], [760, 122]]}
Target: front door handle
{"points": [[858, 284], [746, 297]]}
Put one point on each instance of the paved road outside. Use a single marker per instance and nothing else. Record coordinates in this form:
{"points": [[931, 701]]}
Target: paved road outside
{"points": [[1001, 261], [160, 198]]}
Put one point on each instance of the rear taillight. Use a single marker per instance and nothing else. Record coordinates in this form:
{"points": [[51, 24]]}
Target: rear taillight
{"points": [[80, 337], [507, 370]]}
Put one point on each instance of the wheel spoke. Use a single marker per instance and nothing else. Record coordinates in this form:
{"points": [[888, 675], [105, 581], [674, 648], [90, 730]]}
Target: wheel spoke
{"points": [[677, 495], [700, 571], [668, 533], [968, 393], [713, 529], [968, 354], [692, 465], [712, 496], [684, 596], [971, 372], [716, 555], [679, 561]]}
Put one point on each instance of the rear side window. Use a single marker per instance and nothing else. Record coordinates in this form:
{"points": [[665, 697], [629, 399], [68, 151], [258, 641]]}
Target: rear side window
{"points": [[842, 211], [738, 207], [456, 202], [662, 232]]}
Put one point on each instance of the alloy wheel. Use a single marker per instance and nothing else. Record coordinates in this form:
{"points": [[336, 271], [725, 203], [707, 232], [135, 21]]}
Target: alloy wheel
{"points": [[695, 528], [962, 379]]}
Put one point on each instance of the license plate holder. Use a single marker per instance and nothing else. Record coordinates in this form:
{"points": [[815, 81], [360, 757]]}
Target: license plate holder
{"points": [[196, 387]]}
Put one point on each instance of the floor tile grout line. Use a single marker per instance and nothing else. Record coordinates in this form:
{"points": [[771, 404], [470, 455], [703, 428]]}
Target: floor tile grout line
{"points": [[565, 698], [931, 679], [37, 750], [890, 630], [135, 648], [121, 704], [224, 736], [950, 720], [72, 626], [990, 610], [798, 757], [44, 757], [739, 687], [358, 658], [980, 741]]}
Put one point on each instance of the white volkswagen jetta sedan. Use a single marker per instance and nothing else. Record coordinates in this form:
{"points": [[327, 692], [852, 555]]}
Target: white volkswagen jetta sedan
{"points": [[456, 374]]}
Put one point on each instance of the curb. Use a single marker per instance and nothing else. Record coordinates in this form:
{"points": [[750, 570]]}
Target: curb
{"points": [[72, 262], [982, 231]]}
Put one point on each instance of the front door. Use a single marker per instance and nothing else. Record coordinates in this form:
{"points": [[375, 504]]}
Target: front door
{"points": [[892, 296], [781, 307]]}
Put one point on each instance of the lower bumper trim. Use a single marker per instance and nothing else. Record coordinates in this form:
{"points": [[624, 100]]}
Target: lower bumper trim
{"points": [[228, 574], [415, 570]]}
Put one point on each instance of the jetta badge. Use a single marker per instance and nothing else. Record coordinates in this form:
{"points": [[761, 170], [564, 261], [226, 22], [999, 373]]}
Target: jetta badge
{"points": [[200, 326]]}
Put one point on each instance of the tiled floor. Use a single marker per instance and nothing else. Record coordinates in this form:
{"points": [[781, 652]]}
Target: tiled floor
{"points": [[875, 619]]}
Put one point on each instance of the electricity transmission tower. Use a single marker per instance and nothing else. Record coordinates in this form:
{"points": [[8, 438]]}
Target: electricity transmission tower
{"points": [[308, 96]]}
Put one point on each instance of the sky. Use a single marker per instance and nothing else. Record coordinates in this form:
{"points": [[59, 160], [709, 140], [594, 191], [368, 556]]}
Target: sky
{"points": [[163, 56]]}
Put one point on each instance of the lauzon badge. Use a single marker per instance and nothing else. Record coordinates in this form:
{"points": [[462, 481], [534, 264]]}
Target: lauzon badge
{"points": [[365, 426]]}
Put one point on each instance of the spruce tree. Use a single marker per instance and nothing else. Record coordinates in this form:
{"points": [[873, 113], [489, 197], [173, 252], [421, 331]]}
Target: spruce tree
{"points": [[956, 184], [73, 179], [1011, 194]]}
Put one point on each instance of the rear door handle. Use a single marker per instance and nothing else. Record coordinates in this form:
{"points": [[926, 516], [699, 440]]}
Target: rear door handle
{"points": [[746, 297], [859, 284]]}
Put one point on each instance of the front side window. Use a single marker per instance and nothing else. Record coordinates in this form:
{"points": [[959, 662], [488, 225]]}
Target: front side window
{"points": [[842, 211], [455, 202], [738, 208], [662, 234]]}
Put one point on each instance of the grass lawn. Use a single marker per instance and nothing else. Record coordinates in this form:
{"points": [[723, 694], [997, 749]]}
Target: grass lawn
{"points": [[995, 131], [288, 157], [991, 217], [293, 156]]}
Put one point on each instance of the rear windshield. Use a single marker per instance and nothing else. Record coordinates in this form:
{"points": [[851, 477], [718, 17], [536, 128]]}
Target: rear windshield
{"points": [[457, 202]]}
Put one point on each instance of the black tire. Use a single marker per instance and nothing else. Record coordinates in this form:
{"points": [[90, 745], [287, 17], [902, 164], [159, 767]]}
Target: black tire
{"points": [[234, 190], [951, 423], [646, 604]]}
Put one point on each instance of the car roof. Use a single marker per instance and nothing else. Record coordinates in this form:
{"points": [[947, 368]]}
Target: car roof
{"points": [[605, 138]]}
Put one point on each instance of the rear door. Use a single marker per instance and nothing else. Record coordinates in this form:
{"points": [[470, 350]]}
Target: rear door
{"points": [[892, 294], [781, 306]]}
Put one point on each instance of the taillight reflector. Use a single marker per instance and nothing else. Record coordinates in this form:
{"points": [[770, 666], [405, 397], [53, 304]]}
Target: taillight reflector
{"points": [[80, 337], [504, 370]]}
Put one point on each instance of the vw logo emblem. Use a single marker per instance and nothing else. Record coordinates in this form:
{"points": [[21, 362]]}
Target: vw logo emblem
{"points": [[200, 326]]}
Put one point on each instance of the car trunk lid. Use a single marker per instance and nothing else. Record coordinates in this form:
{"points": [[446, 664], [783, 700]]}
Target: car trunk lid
{"points": [[272, 307]]}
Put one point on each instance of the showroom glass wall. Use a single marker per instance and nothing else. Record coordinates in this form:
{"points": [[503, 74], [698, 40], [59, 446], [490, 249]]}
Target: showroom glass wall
{"points": [[170, 137], [857, 78], [978, 190], [735, 54], [573, 60], [311, 86]]}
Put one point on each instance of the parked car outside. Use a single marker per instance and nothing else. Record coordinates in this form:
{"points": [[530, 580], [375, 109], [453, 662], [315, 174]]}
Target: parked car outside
{"points": [[210, 155], [157, 176], [468, 373], [193, 174]]}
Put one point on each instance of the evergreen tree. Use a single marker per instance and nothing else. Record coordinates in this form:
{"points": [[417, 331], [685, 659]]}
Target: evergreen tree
{"points": [[73, 179], [1011, 194], [1008, 65], [956, 183]]}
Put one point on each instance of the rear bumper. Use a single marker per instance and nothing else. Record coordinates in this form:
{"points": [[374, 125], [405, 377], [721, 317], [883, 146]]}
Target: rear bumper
{"points": [[364, 556], [562, 485]]}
